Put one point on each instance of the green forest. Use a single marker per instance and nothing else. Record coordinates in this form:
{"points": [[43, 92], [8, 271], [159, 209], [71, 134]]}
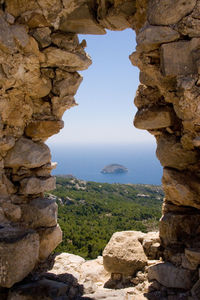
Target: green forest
{"points": [[90, 212]]}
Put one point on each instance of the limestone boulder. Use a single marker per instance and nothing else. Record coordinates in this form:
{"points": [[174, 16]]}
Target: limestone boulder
{"points": [[19, 251], [153, 118], [43, 129], [124, 253], [178, 157], [34, 185], [170, 276], [181, 189], [56, 57], [28, 154], [166, 12], [151, 37], [39, 212], [82, 21], [50, 238]]}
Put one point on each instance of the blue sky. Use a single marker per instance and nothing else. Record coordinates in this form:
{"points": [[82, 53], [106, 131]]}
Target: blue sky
{"points": [[105, 112]]}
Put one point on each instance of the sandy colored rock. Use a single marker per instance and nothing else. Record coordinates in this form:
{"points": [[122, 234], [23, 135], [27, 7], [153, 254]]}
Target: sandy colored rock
{"points": [[177, 58], [28, 154], [154, 117], [19, 253], [166, 12], [170, 276], [34, 185], [42, 130], [176, 224], [81, 20], [42, 35], [60, 58], [181, 189], [39, 212], [66, 83], [151, 244], [49, 239], [60, 105], [12, 211], [124, 253], [178, 157], [151, 37]]}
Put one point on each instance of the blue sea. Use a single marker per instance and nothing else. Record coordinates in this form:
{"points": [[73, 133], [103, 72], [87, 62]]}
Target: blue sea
{"points": [[86, 162]]}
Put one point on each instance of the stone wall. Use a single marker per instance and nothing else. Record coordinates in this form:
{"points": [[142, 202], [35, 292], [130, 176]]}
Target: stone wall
{"points": [[40, 55]]}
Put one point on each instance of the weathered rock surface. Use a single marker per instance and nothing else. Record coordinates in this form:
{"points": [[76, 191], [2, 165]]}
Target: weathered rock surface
{"points": [[28, 154], [124, 253], [180, 188], [41, 130], [170, 276], [35, 185], [19, 251], [151, 37], [153, 118], [50, 238], [39, 213], [166, 12], [178, 157]]}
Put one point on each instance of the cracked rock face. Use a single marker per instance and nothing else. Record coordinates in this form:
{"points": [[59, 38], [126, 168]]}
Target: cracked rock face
{"points": [[40, 56]]}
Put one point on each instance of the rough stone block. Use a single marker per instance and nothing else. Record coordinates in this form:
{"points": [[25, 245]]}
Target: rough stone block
{"points": [[50, 238], [81, 21], [42, 130], [34, 185], [28, 154], [177, 58], [153, 118], [178, 157], [124, 253], [170, 276], [179, 230], [181, 189], [60, 58], [40, 213], [151, 37], [19, 251], [166, 12]]}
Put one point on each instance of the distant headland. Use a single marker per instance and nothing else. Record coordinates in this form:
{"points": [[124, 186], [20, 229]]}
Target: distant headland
{"points": [[114, 169]]}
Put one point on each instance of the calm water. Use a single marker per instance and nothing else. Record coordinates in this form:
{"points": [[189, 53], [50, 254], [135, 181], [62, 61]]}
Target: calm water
{"points": [[86, 162]]}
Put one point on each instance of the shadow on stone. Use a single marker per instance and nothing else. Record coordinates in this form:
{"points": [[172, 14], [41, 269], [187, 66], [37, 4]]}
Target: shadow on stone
{"points": [[45, 285]]}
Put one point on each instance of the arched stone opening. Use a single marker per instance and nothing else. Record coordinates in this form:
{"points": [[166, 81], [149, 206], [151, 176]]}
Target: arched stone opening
{"points": [[39, 64]]}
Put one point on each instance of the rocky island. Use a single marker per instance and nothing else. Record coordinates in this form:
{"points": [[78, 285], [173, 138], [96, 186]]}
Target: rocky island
{"points": [[114, 169]]}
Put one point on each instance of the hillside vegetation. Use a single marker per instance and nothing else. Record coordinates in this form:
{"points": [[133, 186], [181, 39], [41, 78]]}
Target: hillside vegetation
{"points": [[90, 212]]}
